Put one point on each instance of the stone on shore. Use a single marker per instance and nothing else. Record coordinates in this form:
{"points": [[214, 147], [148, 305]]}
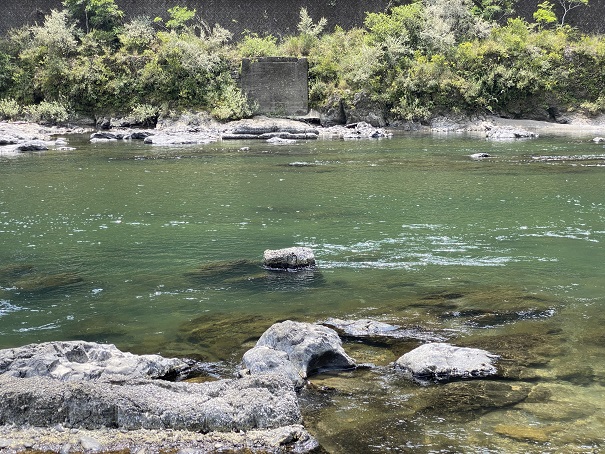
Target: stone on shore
{"points": [[510, 132], [302, 349], [184, 138], [442, 362], [85, 361], [293, 258], [266, 128]]}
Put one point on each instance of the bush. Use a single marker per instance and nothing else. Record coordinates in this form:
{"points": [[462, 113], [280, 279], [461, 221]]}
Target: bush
{"points": [[254, 46], [144, 114], [232, 104], [50, 113], [9, 109]]}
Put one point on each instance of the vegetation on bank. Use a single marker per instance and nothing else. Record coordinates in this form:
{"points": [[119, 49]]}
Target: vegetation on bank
{"points": [[412, 62]]}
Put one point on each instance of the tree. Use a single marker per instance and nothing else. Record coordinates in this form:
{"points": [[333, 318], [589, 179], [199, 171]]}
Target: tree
{"points": [[568, 5], [493, 9], [95, 14], [545, 15]]}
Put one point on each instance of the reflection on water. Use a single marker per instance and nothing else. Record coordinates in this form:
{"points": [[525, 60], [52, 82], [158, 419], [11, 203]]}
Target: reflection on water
{"points": [[159, 251]]}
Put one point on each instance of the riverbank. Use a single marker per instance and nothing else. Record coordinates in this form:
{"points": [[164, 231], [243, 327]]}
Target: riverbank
{"points": [[199, 129]]}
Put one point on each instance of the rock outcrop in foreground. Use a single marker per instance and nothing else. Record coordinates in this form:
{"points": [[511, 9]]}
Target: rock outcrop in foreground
{"points": [[78, 386]]}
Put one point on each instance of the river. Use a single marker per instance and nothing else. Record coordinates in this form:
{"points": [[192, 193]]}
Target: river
{"points": [[157, 250]]}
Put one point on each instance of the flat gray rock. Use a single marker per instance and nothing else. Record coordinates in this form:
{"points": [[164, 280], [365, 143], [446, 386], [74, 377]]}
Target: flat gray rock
{"points": [[444, 362], [85, 361]]}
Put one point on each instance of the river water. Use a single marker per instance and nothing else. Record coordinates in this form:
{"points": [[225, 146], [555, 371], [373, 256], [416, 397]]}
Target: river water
{"points": [[158, 249]]}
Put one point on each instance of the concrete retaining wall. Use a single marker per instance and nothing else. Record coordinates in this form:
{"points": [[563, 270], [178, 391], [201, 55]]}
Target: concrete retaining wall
{"points": [[278, 17], [278, 84]]}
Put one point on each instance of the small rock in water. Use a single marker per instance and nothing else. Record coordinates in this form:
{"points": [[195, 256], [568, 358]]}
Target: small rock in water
{"points": [[293, 258], [444, 362]]}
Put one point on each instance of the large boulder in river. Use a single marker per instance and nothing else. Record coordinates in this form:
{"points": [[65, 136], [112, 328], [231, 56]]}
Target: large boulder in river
{"points": [[296, 350], [85, 361], [443, 362], [293, 258]]}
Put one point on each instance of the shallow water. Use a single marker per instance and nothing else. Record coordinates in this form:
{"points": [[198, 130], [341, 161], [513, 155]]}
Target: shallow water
{"points": [[158, 249]]}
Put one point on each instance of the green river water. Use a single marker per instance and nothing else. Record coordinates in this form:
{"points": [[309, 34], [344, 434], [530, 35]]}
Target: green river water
{"points": [[157, 250]]}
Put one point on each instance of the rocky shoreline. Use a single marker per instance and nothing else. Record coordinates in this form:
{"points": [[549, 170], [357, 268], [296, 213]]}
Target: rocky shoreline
{"points": [[20, 137]]}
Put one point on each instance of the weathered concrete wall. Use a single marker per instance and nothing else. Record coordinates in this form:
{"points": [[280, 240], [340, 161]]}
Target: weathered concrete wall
{"points": [[261, 16], [278, 17], [278, 84]]}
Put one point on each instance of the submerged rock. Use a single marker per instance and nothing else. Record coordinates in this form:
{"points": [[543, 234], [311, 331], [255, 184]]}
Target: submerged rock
{"points": [[469, 399], [444, 362], [47, 282], [85, 361], [366, 328], [308, 348], [293, 258]]}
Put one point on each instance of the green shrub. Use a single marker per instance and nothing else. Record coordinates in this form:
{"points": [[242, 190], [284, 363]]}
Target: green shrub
{"points": [[50, 113], [9, 109], [232, 104], [144, 114], [253, 45]]}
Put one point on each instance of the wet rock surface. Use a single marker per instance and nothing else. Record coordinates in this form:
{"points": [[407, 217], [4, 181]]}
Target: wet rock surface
{"points": [[290, 259], [304, 349], [367, 328], [442, 362]]}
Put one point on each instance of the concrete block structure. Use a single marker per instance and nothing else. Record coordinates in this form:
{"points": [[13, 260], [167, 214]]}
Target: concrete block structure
{"points": [[279, 85]]}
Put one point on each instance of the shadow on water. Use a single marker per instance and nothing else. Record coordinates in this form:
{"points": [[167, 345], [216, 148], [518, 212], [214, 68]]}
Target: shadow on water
{"points": [[249, 275]]}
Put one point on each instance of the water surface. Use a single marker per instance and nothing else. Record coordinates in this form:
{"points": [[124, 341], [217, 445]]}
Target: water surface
{"points": [[158, 249]]}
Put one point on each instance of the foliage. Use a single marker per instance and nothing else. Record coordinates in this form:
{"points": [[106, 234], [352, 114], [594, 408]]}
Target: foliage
{"points": [[51, 113], [253, 45], [137, 35], [102, 15], [144, 114], [545, 14], [493, 9], [415, 61], [9, 109], [232, 104], [179, 17]]}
